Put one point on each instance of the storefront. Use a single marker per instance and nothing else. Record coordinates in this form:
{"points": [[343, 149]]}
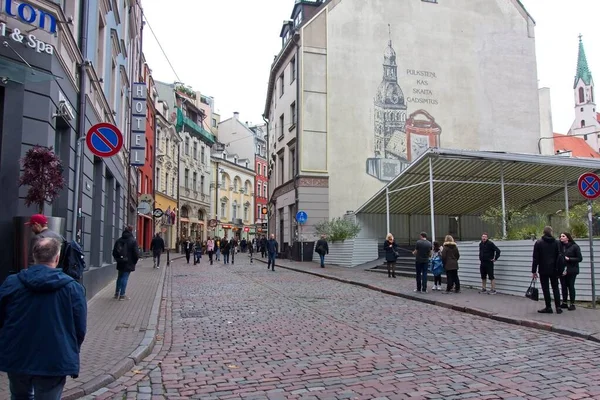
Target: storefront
{"points": [[166, 224]]}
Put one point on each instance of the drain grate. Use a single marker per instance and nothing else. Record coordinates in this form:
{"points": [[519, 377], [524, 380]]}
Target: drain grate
{"points": [[194, 314]]}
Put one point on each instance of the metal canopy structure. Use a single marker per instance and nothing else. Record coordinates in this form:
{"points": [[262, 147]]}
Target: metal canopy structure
{"points": [[461, 182]]}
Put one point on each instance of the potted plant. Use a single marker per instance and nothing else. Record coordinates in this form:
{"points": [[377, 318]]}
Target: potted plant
{"points": [[43, 173]]}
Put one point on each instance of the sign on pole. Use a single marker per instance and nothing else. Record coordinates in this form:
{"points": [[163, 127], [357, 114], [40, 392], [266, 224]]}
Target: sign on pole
{"points": [[104, 140], [589, 187], [301, 217]]}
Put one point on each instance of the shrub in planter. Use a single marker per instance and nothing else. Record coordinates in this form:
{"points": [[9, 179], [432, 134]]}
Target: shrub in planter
{"points": [[43, 173], [338, 229]]}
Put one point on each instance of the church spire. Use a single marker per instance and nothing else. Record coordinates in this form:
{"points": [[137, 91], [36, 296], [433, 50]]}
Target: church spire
{"points": [[583, 70]]}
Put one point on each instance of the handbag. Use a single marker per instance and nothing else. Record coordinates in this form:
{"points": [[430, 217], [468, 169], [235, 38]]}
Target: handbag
{"points": [[532, 292]]}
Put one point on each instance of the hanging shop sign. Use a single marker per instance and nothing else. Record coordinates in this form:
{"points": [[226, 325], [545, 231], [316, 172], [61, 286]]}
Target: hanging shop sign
{"points": [[139, 110], [28, 40], [30, 15]]}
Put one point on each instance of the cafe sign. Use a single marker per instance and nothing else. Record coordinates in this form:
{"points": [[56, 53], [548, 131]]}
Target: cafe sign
{"points": [[28, 40]]}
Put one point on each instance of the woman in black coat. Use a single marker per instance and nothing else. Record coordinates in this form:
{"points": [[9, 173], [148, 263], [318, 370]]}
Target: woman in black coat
{"points": [[572, 254], [390, 247]]}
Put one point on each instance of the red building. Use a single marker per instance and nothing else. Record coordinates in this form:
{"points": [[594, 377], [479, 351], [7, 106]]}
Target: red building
{"points": [[261, 180], [145, 223]]}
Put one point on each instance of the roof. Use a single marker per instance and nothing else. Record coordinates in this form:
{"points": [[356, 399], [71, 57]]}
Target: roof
{"points": [[469, 182], [575, 144], [583, 70]]}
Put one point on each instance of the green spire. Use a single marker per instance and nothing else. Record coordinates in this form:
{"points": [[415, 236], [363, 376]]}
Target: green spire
{"points": [[583, 71]]}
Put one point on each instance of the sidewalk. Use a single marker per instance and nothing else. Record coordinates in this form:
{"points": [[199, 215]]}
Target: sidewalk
{"points": [[119, 333], [583, 322]]}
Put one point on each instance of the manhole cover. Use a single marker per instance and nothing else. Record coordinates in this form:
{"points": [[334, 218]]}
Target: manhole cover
{"points": [[194, 314]]}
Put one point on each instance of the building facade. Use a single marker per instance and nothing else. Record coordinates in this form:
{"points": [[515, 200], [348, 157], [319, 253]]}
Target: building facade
{"points": [[348, 112], [233, 191], [58, 89], [261, 180], [167, 146]]}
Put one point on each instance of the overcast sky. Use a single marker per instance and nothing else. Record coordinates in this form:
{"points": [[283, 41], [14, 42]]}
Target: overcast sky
{"points": [[225, 48]]}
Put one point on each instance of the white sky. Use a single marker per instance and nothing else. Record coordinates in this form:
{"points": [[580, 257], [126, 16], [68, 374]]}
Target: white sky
{"points": [[224, 48]]}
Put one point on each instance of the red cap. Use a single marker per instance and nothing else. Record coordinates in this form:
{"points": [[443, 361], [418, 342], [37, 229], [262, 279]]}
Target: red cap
{"points": [[37, 219]]}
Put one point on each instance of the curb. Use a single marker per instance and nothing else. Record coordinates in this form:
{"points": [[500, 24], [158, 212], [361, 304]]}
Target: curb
{"points": [[562, 330], [126, 364]]}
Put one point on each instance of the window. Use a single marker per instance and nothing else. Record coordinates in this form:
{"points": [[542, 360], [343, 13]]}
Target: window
{"points": [[222, 210], [202, 155], [265, 190], [234, 209], [281, 121], [258, 210], [214, 123], [101, 47], [292, 163], [202, 184], [167, 143], [281, 85], [258, 168], [113, 86], [185, 212], [186, 149], [201, 215], [224, 156], [195, 150], [173, 187], [158, 179], [264, 170], [583, 123], [245, 213], [186, 179], [581, 95], [259, 191], [146, 185], [293, 113], [247, 164], [298, 19], [194, 180], [235, 185], [235, 160], [293, 70], [281, 169]]}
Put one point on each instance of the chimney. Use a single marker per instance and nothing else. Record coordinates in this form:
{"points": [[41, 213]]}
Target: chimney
{"points": [[236, 115]]}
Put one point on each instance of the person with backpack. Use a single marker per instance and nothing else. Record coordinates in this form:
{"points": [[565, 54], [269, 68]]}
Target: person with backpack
{"points": [[225, 247], [126, 254], [157, 246], [437, 266], [322, 248]]}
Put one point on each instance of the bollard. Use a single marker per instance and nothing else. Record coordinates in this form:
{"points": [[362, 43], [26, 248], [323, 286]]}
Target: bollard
{"points": [[168, 258]]}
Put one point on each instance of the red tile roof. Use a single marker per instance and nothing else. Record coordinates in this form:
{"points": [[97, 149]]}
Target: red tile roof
{"points": [[575, 144]]}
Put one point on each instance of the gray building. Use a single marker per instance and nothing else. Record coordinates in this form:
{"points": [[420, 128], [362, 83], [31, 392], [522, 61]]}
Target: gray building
{"points": [[54, 86]]}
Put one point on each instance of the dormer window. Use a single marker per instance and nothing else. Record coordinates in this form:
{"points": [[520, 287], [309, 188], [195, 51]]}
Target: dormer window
{"points": [[298, 19], [235, 160]]}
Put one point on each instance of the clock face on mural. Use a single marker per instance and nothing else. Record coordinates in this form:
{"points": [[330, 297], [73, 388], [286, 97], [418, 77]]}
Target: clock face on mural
{"points": [[392, 94]]}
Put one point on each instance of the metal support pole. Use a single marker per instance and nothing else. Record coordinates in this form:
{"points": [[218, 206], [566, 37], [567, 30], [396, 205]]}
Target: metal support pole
{"points": [[591, 239], [431, 201], [567, 218], [387, 210], [504, 233], [301, 245]]}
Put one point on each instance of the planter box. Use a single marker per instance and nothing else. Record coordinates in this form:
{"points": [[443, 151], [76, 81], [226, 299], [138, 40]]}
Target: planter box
{"points": [[350, 252]]}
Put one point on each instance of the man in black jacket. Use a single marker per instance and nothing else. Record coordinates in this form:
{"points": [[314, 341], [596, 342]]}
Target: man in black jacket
{"points": [[322, 248], [547, 261], [126, 255], [488, 254], [157, 246]]}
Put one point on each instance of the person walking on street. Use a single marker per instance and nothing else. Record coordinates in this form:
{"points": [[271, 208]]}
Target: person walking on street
{"points": [[573, 257], [322, 248], [157, 246], [437, 266], [43, 320], [233, 247], [225, 248], [391, 254], [548, 263], [251, 251], [422, 252], [210, 249], [217, 249], [126, 254], [188, 247], [39, 226], [263, 247], [197, 251], [272, 250], [488, 255], [450, 257]]}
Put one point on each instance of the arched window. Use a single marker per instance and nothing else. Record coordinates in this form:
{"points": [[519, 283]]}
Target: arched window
{"points": [[235, 185], [201, 215], [581, 95], [583, 123], [185, 212]]}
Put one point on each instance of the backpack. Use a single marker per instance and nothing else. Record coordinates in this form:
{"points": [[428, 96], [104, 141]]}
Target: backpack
{"points": [[436, 265], [72, 260], [120, 253]]}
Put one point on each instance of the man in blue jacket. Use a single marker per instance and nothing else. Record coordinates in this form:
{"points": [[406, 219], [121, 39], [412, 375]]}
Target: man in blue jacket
{"points": [[272, 249], [43, 317]]}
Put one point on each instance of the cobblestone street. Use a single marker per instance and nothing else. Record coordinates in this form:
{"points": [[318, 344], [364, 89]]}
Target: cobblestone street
{"points": [[240, 331]]}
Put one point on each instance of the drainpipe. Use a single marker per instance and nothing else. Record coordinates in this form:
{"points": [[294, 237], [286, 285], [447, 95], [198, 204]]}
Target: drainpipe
{"points": [[297, 167], [268, 180], [85, 9]]}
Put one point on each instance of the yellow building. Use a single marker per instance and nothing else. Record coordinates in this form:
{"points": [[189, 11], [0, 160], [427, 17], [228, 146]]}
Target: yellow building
{"points": [[232, 204]]}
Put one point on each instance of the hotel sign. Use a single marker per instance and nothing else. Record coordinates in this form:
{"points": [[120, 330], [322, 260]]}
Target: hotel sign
{"points": [[28, 14], [139, 110], [28, 40]]}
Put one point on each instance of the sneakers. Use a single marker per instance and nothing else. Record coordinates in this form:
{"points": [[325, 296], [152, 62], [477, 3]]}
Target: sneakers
{"points": [[424, 291], [559, 311], [483, 291], [571, 307], [547, 311], [492, 292], [416, 291]]}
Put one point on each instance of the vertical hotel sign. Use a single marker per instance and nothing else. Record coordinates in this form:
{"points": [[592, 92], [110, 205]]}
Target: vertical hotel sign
{"points": [[138, 125]]}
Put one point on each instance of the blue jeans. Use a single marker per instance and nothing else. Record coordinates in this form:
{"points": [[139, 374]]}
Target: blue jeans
{"points": [[225, 258], [29, 387], [322, 259], [122, 279], [218, 254], [271, 260], [421, 276]]}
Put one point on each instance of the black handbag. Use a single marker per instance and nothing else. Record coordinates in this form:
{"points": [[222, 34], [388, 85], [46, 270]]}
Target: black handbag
{"points": [[532, 292]]}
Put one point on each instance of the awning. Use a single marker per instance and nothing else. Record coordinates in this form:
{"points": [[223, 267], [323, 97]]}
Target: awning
{"points": [[19, 72]]}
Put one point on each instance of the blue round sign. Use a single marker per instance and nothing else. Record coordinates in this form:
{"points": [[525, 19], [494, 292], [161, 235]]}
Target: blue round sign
{"points": [[104, 140], [301, 217]]}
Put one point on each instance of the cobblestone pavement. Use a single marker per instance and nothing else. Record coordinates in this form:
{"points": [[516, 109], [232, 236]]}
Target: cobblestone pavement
{"points": [[115, 328], [585, 321], [242, 332]]}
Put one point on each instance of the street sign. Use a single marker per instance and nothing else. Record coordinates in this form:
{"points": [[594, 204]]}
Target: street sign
{"points": [[144, 208], [264, 210], [246, 229], [589, 185], [158, 212], [212, 223], [301, 217], [104, 140]]}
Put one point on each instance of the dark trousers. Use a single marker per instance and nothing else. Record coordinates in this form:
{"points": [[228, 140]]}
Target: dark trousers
{"points": [[567, 284], [322, 258], [210, 256], [156, 259], [187, 256], [271, 261], [546, 281], [29, 387], [233, 256], [225, 257], [452, 280], [421, 276], [391, 267], [437, 280]]}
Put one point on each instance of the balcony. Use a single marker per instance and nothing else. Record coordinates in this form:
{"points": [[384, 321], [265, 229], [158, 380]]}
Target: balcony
{"points": [[193, 128]]}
